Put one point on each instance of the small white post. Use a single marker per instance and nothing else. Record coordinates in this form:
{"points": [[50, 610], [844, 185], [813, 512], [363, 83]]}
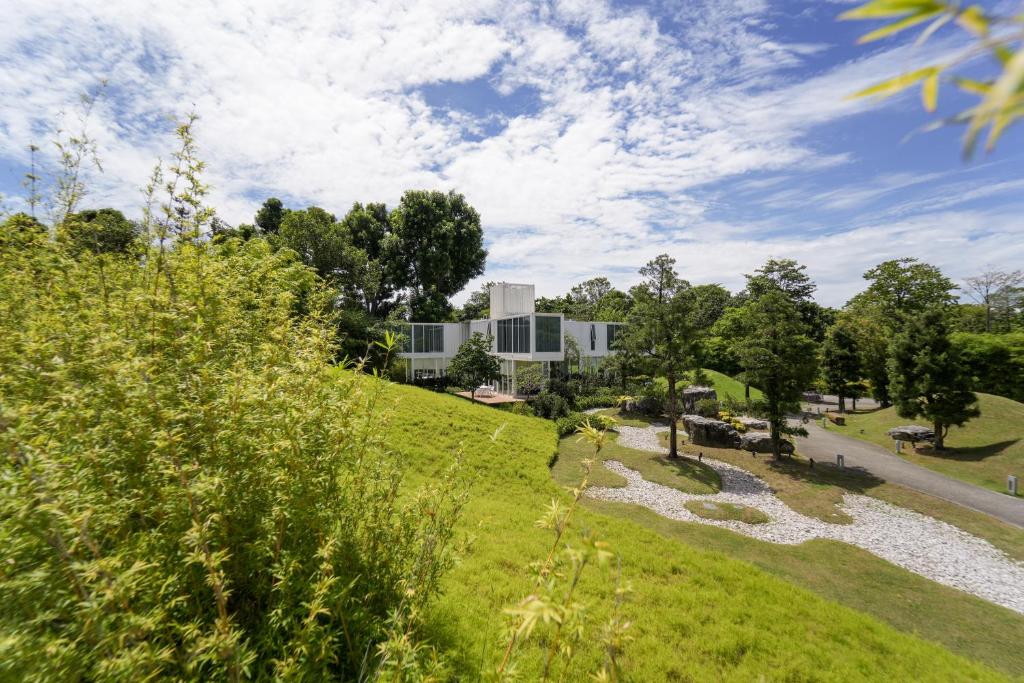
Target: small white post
{"points": [[1011, 484], [899, 446], [839, 460]]}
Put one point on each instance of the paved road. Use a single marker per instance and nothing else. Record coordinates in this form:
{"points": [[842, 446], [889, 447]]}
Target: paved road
{"points": [[823, 445]]}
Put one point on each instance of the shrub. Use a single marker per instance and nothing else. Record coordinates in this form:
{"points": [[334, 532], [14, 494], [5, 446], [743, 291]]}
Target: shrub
{"points": [[189, 491], [706, 407], [530, 379], [603, 399], [549, 405], [573, 421]]}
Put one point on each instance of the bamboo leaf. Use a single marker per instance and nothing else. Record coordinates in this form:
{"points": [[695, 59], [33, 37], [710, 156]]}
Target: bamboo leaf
{"points": [[897, 84], [878, 9], [898, 26], [974, 20], [930, 92], [972, 86]]}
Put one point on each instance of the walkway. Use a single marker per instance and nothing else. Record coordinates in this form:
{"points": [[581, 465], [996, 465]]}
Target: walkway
{"points": [[823, 445], [916, 542]]}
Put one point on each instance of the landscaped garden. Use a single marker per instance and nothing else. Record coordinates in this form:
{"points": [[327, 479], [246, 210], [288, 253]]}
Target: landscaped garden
{"points": [[983, 452], [843, 608]]}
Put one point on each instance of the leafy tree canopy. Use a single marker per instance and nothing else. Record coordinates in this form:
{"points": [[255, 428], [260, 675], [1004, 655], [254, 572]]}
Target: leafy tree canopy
{"points": [[928, 377], [101, 231], [473, 364], [905, 287], [269, 217]]}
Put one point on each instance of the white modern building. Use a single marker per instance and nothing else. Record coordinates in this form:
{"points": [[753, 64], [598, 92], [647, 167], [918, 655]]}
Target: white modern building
{"points": [[519, 336]]}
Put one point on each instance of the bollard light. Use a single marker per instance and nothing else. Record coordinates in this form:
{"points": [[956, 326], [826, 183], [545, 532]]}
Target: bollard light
{"points": [[839, 460], [1011, 484]]}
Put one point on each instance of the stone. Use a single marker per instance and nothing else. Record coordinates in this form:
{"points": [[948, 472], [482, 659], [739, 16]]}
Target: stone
{"points": [[812, 397], [761, 442], [753, 423], [693, 394], [912, 433], [705, 431], [645, 405]]}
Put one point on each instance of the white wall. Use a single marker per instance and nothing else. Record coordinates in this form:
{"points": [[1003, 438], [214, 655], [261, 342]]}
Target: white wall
{"points": [[508, 298]]}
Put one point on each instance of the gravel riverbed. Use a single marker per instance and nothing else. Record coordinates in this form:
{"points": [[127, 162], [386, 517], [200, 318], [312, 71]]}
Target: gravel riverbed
{"points": [[921, 544]]}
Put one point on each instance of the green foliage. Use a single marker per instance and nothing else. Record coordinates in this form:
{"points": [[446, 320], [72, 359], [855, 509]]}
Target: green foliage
{"points": [[440, 238], [187, 492], [550, 405], [473, 364], [102, 231], [572, 422], [530, 379], [661, 329], [478, 304], [928, 377], [604, 398], [995, 362], [270, 215], [902, 288], [21, 230], [708, 407], [779, 358], [1000, 96], [840, 361]]}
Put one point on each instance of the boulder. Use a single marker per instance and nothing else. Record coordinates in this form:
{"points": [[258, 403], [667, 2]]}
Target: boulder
{"points": [[705, 431], [644, 405], [912, 433], [761, 442], [693, 394], [812, 397], [753, 423]]}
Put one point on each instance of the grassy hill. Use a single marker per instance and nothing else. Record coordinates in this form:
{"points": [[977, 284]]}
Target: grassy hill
{"points": [[697, 614], [727, 386], [981, 452]]}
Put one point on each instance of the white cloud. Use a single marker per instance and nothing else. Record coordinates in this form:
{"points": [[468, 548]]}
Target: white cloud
{"points": [[321, 101]]}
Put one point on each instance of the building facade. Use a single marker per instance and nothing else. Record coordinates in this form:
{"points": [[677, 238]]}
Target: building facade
{"points": [[519, 336]]}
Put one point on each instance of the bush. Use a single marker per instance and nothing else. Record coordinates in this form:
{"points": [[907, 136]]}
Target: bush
{"points": [[190, 492], [706, 407], [433, 383], [530, 379], [603, 399], [570, 423], [549, 405]]}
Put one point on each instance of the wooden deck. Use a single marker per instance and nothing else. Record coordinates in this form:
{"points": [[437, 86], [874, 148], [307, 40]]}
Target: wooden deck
{"points": [[491, 400]]}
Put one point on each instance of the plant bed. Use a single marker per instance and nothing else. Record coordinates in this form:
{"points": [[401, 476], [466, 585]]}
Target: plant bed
{"points": [[726, 511]]}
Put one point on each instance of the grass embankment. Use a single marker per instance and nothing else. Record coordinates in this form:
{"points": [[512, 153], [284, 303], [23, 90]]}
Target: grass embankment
{"points": [[697, 615], [982, 452]]}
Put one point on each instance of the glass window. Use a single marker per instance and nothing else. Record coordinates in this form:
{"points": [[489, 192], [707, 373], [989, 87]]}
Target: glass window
{"points": [[593, 337], [514, 335], [427, 338], [549, 334], [613, 334]]}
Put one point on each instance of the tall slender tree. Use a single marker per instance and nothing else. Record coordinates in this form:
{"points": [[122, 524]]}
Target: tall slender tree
{"points": [[661, 329], [780, 359], [840, 362]]}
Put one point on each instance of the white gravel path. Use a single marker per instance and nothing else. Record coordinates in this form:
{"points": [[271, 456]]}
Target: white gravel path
{"points": [[921, 544]]}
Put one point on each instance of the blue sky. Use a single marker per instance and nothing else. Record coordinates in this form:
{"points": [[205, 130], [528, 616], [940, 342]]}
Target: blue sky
{"points": [[590, 136]]}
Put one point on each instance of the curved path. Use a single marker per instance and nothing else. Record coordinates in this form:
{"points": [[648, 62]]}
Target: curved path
{"points": [[823, 445], [916, 542]]}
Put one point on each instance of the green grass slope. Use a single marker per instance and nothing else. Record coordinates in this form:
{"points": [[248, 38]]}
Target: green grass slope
{"points": [[697, 615], [982, 452], [727, 386]]}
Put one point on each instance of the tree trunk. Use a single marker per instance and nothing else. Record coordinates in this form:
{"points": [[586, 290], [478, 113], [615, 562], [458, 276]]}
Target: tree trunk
{"points": [[842, 403], [746, 391], [940, 438], [855, 404], [776, 434], [472, 394], [673, 451]]}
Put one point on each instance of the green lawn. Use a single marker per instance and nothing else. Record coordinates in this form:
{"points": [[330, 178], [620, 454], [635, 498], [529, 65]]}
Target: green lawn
{"points": [[726, 511], [697, 613], [982, 452]]}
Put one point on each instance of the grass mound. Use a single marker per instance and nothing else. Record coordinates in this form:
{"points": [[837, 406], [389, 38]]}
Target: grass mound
{"points": [[982, 452], [726, 511], [726, 386], [697, 615]]}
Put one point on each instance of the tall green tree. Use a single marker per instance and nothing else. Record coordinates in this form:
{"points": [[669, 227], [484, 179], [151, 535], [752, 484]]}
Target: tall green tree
{"points": [[790, 278], [270, 215], [903, 288], [441, 242], [841, 362], [779, 357], [478, 304], [660, 328], [320, 241], [473, 364], [101, 231], [928, 377]]}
